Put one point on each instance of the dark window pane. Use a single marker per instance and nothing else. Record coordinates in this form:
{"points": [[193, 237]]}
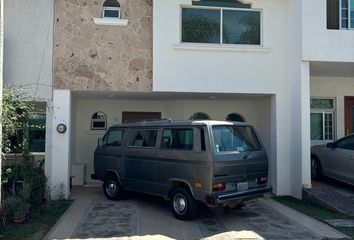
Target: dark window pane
{"points": [[235, 117], [200, 116], [202, 140], [332, 14], [221, 3], [316, 126], [346, 143], [101, 125], [113, 138], [111, 13], [344, 23], [344, 3], [144, 138], [200, 25], [111, 3], [241, 27], [178, 139], [36, 125], [322, 103]]}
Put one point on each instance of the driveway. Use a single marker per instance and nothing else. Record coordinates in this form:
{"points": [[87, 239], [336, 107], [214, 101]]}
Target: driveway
{"points": [[149, 217]]}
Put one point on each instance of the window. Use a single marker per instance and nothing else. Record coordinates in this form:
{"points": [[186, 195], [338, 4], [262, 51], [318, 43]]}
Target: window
{"points": [[111, 9], [177, 139], [144, 138], [340, 14], [99, 121], [36, 132], [236, 24], [200, 116], [322, 119], [235, 117], [235, 139], [113, 138]]}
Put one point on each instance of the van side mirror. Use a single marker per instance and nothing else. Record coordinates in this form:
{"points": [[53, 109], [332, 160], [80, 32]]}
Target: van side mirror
{"points": [[331, 145], [100, 142]]}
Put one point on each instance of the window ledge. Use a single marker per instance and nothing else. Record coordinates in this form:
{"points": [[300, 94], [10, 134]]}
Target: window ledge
{"points": [[212, 47], [111, 21]]}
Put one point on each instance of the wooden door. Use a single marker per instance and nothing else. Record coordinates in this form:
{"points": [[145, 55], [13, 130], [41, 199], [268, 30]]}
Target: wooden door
{"points": [[140, 116], [349, 115]]}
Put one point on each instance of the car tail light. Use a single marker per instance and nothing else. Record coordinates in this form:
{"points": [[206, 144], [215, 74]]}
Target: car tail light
{"points": [[218, 187], [262, 180]]}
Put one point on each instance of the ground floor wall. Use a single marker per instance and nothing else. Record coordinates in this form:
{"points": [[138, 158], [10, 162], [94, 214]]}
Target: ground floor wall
{"points": [[336, 88]]}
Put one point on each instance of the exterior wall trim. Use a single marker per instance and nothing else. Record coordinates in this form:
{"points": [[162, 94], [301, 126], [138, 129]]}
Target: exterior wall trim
{"points": [[111, 21], [212, 47]]}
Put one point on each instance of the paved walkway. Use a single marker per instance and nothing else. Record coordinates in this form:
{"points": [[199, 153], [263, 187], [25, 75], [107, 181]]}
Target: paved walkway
{"points": [[145, 217], [334, 195]]}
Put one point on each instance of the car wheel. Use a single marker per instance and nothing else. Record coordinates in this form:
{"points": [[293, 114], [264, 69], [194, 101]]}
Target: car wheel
{"points": [[112, 188], [316, 170], [183, 205]]}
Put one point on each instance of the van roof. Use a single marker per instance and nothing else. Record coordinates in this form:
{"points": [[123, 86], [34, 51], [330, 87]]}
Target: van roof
{"points": [[170, 122]]}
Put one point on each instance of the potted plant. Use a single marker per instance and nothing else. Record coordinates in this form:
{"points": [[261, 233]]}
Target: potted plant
{"points": [[16, 209]]}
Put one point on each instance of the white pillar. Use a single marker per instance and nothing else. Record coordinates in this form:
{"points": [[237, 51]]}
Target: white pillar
{"points": [[60, 160], [1, 76], [305, 124]]}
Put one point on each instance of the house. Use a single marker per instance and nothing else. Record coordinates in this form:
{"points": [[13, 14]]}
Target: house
{"points": [[287, 67]]}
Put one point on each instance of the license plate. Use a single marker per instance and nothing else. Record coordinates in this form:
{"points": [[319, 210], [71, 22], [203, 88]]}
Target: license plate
{"points": [[242, 186], [230, 187]]}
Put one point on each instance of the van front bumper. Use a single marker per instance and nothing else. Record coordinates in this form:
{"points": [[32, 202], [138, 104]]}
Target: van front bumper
{"points": [[222, 198]]}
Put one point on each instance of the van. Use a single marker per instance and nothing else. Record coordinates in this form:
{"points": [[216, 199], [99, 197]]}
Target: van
{"points": [[217, 163]]}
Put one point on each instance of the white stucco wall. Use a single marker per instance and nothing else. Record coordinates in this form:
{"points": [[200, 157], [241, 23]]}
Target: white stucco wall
{"points": [[255, 111], [28, 46], [337, 88], [320, 44], [274, 68]]}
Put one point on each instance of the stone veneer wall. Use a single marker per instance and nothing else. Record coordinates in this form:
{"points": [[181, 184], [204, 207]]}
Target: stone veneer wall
{"points": [[101, 58]]}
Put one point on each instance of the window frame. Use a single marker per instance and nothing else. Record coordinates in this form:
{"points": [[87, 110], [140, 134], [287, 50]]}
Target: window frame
{"points": [[325, 111], [104, 9], [349, 27], [99, 120], [183, 6]]}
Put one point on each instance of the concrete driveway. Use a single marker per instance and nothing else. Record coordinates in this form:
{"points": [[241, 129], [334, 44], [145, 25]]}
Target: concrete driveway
{"points": [[92, 216]]}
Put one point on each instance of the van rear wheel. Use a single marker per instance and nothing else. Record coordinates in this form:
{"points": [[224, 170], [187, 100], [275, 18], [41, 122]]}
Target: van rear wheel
{"points": [[183, 205], [112, 188]]}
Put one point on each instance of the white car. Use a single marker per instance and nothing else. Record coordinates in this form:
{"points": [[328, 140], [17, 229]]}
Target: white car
{"points": [[334, 160]]}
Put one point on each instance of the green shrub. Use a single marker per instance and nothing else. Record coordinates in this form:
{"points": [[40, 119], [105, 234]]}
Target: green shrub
{"points": [[15, 204]]}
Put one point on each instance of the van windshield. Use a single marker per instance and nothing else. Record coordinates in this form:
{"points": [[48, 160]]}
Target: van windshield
{"points": [[235, 139]]}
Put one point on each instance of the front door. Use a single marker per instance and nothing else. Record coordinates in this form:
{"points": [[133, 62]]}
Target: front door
{"points": [[140, 116], [349, 115]]}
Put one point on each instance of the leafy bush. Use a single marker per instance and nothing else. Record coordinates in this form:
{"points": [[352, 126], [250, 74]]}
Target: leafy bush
{"points": [[15, 204], [26, 181]]}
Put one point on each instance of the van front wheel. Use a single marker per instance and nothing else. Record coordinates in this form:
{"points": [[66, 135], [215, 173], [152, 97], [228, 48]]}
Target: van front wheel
{"points": [[112, 188], [183, 205]]}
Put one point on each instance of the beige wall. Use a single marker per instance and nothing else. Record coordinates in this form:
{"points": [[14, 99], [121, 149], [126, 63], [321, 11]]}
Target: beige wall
{"points": [[93, 57], [337, 88], [257, 112]]}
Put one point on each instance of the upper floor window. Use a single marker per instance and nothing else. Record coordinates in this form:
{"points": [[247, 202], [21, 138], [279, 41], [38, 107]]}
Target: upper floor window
{"points": [[235, 117], [340, 14], [200, 116], [221, 22], [111, 9]]}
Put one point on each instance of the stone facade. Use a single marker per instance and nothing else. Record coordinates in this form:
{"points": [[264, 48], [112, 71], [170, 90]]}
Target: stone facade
{"points": [[102, 58]]}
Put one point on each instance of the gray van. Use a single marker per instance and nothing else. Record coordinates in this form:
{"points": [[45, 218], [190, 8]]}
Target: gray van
{"points": [[214, 162]]}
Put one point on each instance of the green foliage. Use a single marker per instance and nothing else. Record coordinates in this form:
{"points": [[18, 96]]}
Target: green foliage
{"points": [[198, 28], [15, 113], [252, 33], [26, 181], [15, 204]]}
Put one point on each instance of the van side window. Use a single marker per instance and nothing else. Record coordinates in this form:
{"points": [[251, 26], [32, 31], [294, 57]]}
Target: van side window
{"points": [[202, 139], [114, 138], [178, 139], [144, 138]]}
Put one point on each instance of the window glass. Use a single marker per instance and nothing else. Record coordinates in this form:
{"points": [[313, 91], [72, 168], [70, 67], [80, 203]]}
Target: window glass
{"points": [[322, 103], [352, 14], [200, 116], [99, 121], [221, 3], [235, 117], [111, 3], [235, 139], [346, 143], [111, 13], [241, 27], [316, 126], [200, 25], [113, 138], [144, 138], [36, 127], [202, 139], [178, 139]]}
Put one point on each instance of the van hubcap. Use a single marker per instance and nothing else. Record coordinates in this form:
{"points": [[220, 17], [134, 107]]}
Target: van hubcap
{"points": [[180, 204], [111, 188]]}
